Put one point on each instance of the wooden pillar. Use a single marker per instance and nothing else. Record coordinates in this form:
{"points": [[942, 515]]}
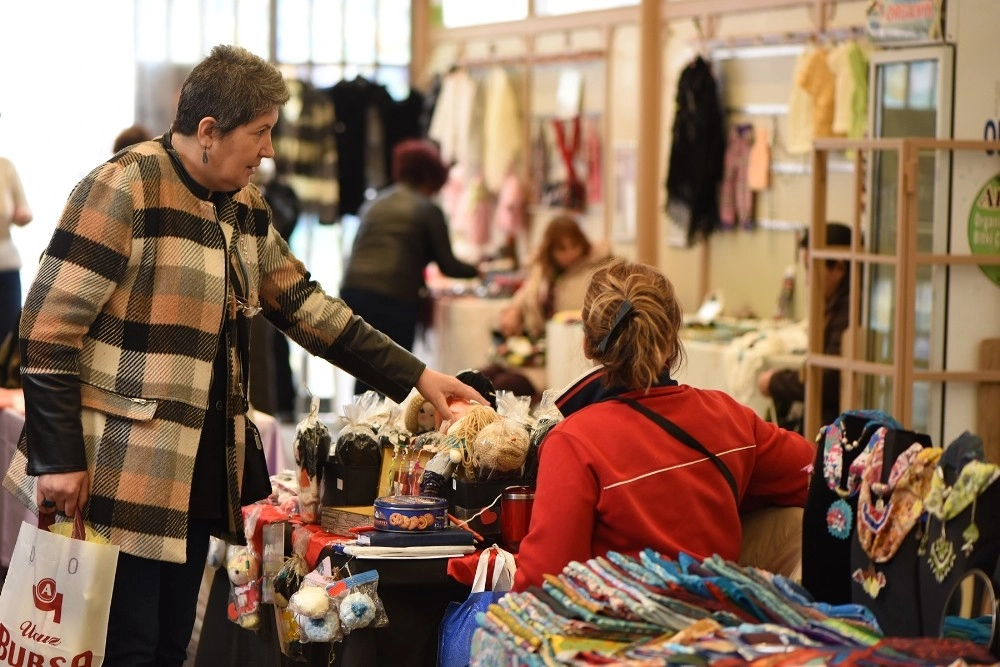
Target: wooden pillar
{"points": [[420, 29], [648, 164]]}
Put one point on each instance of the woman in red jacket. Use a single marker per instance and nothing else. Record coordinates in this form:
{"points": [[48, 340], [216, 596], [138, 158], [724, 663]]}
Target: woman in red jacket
{"points": [[652, 463]]}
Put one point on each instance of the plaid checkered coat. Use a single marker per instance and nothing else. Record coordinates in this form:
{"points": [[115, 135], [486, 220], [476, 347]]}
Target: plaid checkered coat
{"points": [[131, 297]]}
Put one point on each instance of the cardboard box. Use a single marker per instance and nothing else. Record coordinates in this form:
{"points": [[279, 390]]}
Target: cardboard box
{"points": [[340, 520], [277, 547]]}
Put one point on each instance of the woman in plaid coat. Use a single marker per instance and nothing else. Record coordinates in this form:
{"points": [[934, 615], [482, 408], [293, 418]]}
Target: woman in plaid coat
{"points": [[135, 347]]}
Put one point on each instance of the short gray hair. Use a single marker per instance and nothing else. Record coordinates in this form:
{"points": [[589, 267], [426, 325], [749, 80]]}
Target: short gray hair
{"points": [[232, 85]]}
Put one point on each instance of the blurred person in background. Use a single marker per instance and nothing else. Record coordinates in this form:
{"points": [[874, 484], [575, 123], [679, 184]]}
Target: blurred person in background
{"points": [[130, 136], [401, 231], [557, 281], [786, 387], [14, 210]]}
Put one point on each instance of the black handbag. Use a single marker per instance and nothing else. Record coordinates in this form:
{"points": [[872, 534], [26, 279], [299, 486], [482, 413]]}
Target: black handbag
{"points": [[256, 478]]}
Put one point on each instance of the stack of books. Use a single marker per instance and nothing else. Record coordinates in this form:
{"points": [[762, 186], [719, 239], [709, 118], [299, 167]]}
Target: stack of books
{"points": [[428, 544]]}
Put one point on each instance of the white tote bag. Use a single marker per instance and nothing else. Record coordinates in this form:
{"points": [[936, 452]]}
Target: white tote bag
{"points": [[56, 598]]}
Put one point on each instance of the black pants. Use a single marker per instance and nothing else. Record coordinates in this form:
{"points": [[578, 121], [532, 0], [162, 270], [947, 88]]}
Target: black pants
{"points": [[10, 301], [154, 604], [396, 319]]}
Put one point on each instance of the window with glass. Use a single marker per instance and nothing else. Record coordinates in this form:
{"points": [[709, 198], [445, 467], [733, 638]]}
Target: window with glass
{"points": [[909, 99], [323, 41]]}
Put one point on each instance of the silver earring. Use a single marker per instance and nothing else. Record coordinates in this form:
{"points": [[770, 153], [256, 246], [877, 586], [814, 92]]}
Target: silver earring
{"points": [[204, 156]]}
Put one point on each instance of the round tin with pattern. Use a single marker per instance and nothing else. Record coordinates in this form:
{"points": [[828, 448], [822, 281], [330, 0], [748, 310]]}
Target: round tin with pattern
{"points": [[410, 514]]}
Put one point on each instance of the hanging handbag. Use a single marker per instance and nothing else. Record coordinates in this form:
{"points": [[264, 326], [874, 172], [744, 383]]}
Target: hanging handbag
{"points": [[256, 477], [56, 598], [459, 622]]}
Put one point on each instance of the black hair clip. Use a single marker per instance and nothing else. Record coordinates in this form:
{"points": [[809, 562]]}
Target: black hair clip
{"points": [[623, 312]]}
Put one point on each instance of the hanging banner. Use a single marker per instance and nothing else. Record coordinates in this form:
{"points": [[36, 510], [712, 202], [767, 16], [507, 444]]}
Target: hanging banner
{"points": [[905, 21], [984, 226]]}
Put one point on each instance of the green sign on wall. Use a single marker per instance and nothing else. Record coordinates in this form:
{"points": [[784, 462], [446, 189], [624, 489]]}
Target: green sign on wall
{"points": [[984, 226]]}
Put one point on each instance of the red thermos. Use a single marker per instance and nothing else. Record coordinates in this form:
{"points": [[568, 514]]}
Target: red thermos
{"points": [[515, 515]]}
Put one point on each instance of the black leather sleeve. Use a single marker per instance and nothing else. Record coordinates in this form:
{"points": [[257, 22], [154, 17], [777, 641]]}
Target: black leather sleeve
{"points": [[52, 424], [372, 357]]}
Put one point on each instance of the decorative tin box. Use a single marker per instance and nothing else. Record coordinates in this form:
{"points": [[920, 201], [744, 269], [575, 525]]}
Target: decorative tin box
{"points": [[404, 514]]}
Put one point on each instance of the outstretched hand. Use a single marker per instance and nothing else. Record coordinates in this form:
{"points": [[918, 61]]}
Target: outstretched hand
{"points": [[438, 388]]}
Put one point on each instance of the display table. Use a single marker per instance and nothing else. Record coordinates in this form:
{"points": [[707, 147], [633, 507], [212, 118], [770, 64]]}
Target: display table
{"points": [[270, 438], [415, 593], [12, 512]]}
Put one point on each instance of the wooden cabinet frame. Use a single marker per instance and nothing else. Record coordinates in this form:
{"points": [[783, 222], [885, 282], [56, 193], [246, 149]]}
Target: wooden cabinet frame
{"points": [[905, 259]]}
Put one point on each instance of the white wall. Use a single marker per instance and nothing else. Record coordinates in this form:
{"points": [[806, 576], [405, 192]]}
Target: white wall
{"points": [[66, 90]]}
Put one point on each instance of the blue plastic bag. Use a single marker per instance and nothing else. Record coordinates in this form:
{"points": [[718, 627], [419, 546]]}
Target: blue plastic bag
{"points": [[459, 621]]}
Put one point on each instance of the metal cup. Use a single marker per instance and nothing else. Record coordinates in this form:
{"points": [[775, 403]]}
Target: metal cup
{"points": [[515, 515]]}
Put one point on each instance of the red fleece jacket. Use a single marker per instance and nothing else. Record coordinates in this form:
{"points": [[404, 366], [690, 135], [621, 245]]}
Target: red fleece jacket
{"points": [[609, 479]]}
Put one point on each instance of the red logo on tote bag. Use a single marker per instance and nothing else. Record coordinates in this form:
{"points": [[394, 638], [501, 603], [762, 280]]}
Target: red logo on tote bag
{"points": [[47, 598]]}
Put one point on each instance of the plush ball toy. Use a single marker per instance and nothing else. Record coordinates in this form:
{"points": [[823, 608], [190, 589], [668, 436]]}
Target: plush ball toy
{"points": [[357, 610], [310, 601], [323, 629]]}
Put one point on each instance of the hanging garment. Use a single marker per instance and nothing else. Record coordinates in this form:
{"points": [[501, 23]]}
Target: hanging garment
{"points": [[858, 62], [502, 129], [799, 139], [735, 196], [759, 163], [451, 124], [361, 107], [508, 219], [571, 193], [305, 151], [817, 79], [540, 163], [843, 87], [696, 153], [592, 155]]}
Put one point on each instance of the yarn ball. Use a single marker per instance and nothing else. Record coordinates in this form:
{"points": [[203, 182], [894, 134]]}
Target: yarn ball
{"points": [[475, 419], [323, 629], [310, 601], [500, 447], [357, 610]]}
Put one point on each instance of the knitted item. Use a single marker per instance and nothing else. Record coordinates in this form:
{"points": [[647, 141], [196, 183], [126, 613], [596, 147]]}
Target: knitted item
{"points": [[500, 447]]}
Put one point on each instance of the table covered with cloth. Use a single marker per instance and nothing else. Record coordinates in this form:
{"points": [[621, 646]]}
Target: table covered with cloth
{"points": [[415, 593]]}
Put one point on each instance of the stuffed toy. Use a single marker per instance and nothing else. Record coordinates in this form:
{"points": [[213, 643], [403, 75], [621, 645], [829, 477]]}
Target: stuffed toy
{"points": [[243, 567], [420, 416]]}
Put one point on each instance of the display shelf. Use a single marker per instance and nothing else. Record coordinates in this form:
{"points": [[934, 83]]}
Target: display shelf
{"points": [[898, 371]]}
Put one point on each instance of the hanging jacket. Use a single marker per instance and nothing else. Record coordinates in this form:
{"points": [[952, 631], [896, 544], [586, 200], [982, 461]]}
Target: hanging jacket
{"points": [[696, 153]]}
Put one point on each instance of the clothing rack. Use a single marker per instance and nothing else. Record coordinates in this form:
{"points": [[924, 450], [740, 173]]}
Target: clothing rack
{"points": [[530, 59], [769, 45]]}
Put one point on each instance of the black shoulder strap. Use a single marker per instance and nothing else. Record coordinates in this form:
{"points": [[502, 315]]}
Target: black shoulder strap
{"points": [[686, 438]]}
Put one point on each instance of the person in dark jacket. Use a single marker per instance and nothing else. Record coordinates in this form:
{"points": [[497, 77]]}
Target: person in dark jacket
{"points": [[786, 387], [401, 232]]}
